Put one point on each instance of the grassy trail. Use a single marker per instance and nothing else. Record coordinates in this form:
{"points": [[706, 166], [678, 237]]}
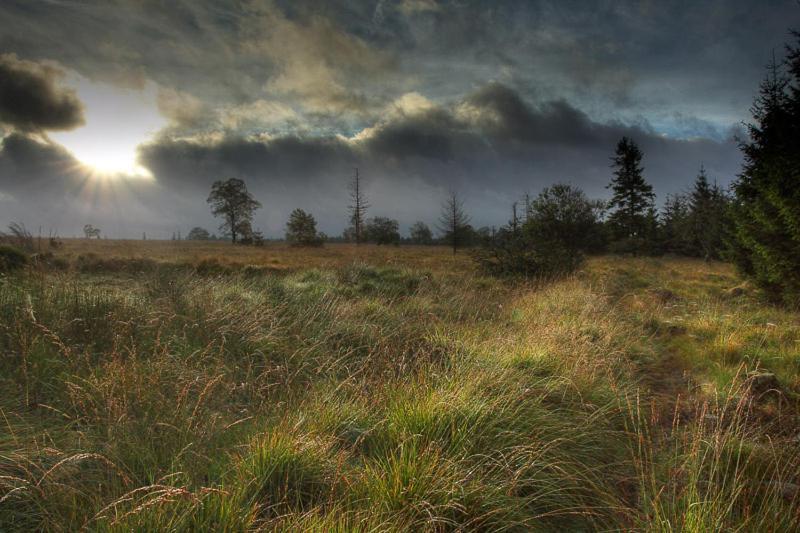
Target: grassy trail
{"points": [[374, 397]]}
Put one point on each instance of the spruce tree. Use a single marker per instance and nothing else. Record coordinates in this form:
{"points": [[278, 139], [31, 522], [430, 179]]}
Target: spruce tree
{"points": [[633, 200], [719, 223], [702, 213], [766, 210], [675, 225], [301, 229]]}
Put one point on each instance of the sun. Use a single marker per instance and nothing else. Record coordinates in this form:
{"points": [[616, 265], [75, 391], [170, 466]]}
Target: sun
{"points": [[117, 121], [110, 159]]}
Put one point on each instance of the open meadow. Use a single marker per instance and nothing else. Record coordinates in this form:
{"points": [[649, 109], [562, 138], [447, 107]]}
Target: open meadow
{"points": [[173, 386]]}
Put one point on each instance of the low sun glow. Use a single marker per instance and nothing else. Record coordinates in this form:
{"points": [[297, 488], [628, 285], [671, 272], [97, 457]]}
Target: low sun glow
{"points": [[118, 120]]}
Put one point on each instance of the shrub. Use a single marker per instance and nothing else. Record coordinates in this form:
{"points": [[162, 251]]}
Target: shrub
{"points": [[421, 233], [382, 230], [561, 225], [198, 234], [510, 254], [301, 230], [92, 263], [11, 258]]}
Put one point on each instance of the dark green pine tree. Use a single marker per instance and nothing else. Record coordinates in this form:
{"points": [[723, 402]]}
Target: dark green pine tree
{"points": [[675, 225], [633, 200], [720, 224], [766, 208], [703, 226]]}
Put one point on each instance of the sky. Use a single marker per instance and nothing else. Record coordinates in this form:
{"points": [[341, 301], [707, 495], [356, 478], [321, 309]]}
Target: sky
{"points": [[122, 113]]}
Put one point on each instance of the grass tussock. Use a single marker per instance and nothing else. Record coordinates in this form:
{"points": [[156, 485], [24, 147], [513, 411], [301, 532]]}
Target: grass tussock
{"points": [[381, 396]]}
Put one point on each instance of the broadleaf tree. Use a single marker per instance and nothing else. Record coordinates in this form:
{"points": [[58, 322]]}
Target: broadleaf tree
{"points": [[382, 230], [420, 233], [231, 201]]}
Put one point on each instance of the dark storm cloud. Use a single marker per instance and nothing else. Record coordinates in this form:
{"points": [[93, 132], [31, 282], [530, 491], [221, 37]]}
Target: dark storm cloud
{"points": [[491, 145], [429, 135], [502, 111], [491, 97], [226, 54], [28, 164], [277, 161], [31, 99], [343, 60]]}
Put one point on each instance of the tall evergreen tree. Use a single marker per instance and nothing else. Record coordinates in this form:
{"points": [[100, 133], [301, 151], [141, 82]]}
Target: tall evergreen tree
{"points": [[675, 226], [701, 219], [301, 229], [766, 210], [633, 201]]}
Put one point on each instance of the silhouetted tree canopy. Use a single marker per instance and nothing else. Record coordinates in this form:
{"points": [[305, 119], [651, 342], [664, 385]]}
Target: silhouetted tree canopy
{"points": [[695, 223], [766, 210], [249, 235], [560, 226], [420, 233], [198, 234], [382, 230], [676, 229], [633, 218], [301, 229], [230, 200]]}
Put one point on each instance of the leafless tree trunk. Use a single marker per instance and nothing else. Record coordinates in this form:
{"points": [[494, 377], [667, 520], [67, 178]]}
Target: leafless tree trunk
{"points": [[453, 221], [358, 208]]}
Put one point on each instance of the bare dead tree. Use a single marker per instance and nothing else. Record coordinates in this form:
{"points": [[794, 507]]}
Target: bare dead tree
{"points": [[528, 206], [358, 208], [514, 218], [453, 222]]}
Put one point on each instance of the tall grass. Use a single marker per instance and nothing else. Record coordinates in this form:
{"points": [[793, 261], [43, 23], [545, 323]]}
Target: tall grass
{"points": [[393, 399]]}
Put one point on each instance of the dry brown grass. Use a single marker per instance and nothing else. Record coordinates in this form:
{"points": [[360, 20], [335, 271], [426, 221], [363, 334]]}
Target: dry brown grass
{"points": [[277, 255]]}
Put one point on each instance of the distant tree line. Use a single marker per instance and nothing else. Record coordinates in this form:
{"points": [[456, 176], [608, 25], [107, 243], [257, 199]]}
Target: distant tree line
{"points": [[546, 234], [554, 231]]}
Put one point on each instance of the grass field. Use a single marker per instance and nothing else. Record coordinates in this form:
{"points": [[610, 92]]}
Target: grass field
{"points": [[173, 386], [273, 256]]}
